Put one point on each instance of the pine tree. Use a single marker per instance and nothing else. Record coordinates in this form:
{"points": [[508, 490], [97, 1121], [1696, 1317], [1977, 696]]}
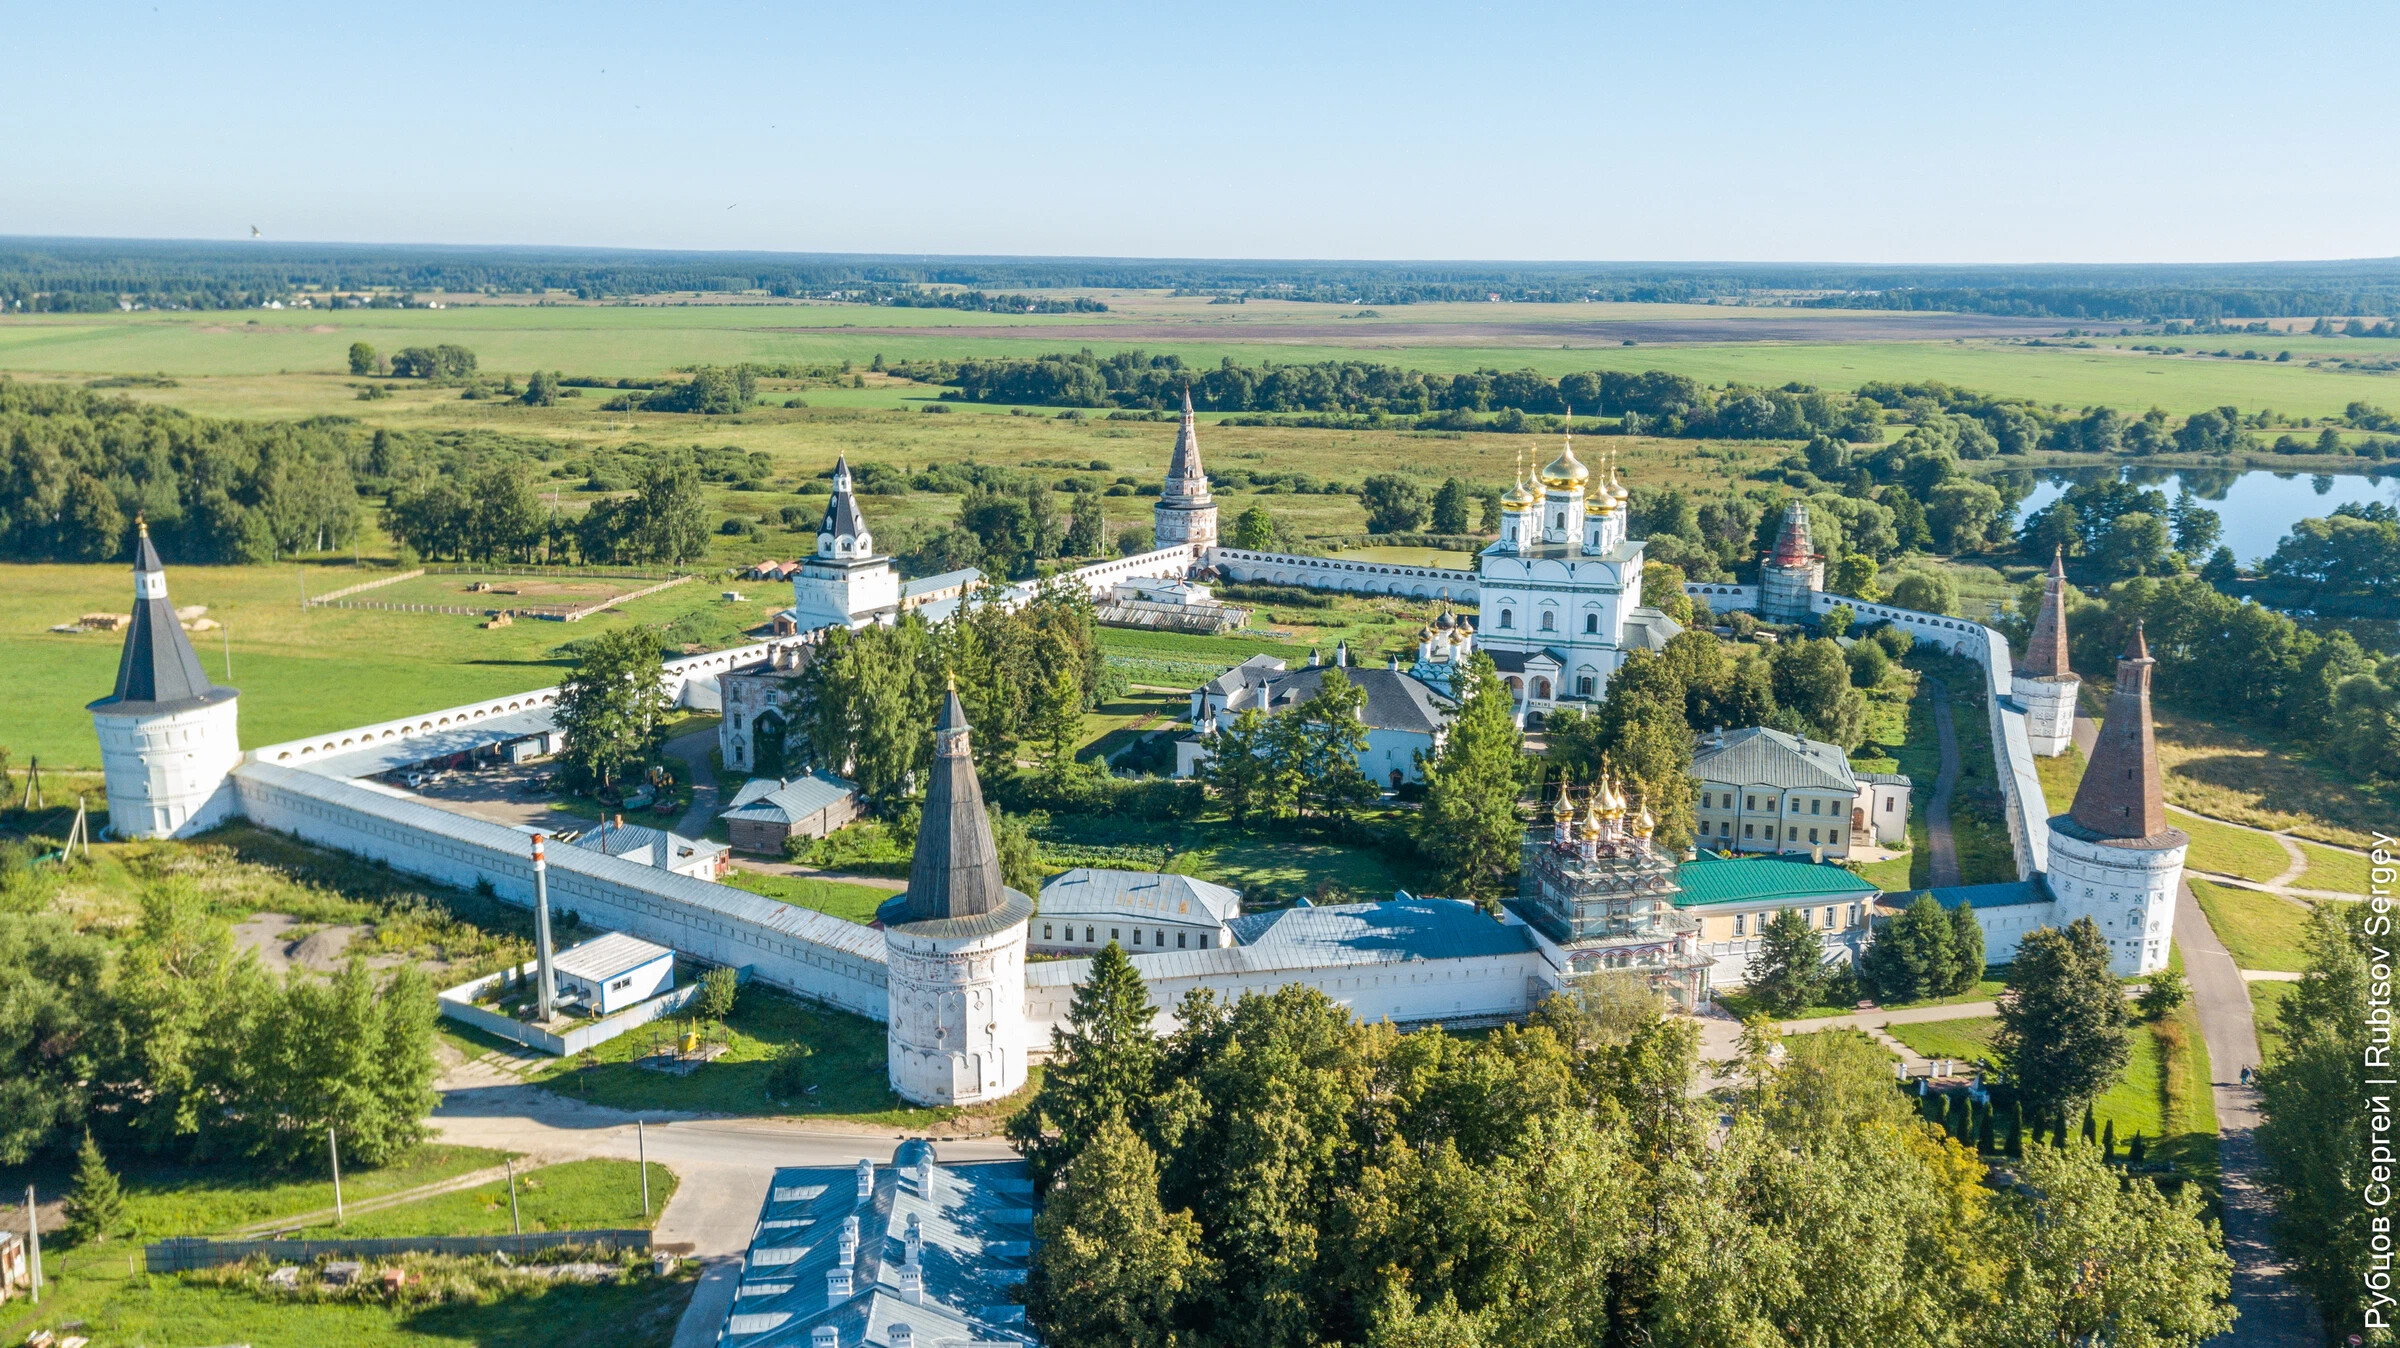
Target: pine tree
{"points": [[2016, 1132], [2091, 1131], [2136, 1151], [1983, 1134], [1789, 967], [2108, 1141], [1468, 827], [96, 1206], [1104, 1067]]}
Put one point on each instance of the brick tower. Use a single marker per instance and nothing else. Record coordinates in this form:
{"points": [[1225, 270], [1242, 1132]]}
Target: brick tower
{"points": [[1185, 513]]}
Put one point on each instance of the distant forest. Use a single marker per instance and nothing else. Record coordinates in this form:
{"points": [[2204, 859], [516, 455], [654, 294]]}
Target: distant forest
{"points": [[81, 275]]}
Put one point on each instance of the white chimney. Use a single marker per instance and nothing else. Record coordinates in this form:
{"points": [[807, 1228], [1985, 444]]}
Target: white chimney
{"points": [[837, 1285], [915, 1243], [825, 1336], [866, 1178], [901, 1336], [925, 1174], [912, 1283]]}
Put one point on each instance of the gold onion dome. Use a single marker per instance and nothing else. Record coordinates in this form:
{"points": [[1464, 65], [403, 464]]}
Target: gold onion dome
{"points": [[1615, 487], [1516, 497], [1565, 472], [1643, 824]]}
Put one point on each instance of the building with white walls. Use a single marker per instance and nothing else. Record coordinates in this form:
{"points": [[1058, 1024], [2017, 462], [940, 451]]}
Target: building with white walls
{"points": [[167, 735]]}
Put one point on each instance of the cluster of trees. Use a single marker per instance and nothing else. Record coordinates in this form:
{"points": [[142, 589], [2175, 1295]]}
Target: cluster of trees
{"points": [[495, 515], [2352, 555], [427, 362], [711, 391], [867, 699], [175, 1041], [1275, 1173], [1400, 505], [1300, 764], [1008, 525], [77, 468], [2126, 530], [1922, 952]]}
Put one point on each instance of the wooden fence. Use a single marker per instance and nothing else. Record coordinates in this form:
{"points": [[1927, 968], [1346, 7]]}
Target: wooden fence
{"points": [[393, 579], [190, 1252]]}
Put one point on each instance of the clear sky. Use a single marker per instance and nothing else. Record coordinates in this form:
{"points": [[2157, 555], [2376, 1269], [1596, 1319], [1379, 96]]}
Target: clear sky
{"points": [[2092, 131]]}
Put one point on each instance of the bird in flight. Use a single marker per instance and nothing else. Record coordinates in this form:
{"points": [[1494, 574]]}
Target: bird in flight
{"points": [[254, 231]]}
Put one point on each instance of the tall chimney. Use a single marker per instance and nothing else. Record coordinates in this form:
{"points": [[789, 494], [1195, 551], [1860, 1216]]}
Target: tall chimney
{"points": [[546, 991], [866, 1178], [912, 1283]]}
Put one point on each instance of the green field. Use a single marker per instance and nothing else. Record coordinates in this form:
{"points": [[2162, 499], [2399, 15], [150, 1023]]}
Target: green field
{"points": [[834, 898], [570, 1196], [2332, 868], [2261, 931]]}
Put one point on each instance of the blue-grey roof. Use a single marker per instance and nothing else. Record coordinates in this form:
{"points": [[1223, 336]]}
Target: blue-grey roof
{"points": [[775, 800], [976, 1225], [2008, 894], [1146, 894], [1757, 756], [464, 737], [1395, 701], [1430, 929], [646, 845], [948, 580]]}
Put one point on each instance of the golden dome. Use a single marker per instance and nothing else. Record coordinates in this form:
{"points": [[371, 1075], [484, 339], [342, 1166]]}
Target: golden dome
{"points": [[1516, 498], [1566, 472], [1616, 488], [1601, 503], [1643, 824]]}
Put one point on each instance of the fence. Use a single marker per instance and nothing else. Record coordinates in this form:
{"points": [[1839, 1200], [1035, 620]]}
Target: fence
{"points": [[570, 572], [192, 1252], [459, 1004], [395, 579], [552, 613]]}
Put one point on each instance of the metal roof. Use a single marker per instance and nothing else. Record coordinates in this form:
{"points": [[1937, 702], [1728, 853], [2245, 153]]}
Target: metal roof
{"points": [[947, 580], [975, 1222], [1757, 756], [605, 957], [1710, 879], [2008, 894], [157, 670], [644, 844], [1255, 670], [1395, 701], [466, 736], [1177, 898], [787, 800], [1398, 932]]}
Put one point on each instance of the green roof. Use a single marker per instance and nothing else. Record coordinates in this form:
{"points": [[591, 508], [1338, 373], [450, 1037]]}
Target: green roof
{"points": [[1710, 879]]}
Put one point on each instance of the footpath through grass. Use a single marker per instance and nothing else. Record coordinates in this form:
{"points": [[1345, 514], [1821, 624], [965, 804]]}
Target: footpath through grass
{"points": [[2261, 931]]}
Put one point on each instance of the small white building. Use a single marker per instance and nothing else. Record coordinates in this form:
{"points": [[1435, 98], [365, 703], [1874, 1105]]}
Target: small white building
{"points": [[1404, 716], [1083, 910], [613, 972], [698, 858], [1762, 790]]}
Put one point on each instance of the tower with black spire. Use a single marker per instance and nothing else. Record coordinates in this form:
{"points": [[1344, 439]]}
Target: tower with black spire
{"points": [[845, 584], [168, 741], [955, 944], [1185, 513], [2045, 685], [2113, 856]]}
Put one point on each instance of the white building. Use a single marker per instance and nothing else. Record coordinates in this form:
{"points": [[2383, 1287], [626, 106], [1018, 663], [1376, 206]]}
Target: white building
{"points": [[167, 735], [1404, 716], [955, 945], [1763, 790], [642, 845], [1085, 909], [1185, 514], [612, 972], [845, 584]]}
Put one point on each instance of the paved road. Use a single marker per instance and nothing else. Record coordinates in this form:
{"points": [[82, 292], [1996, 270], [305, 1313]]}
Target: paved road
{"points": [[1941, 849], [692, 752]]}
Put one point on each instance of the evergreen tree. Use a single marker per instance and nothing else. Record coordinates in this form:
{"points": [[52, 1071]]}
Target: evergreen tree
{"points": [[1983, 1134], [2091, 1133], [1468, 827], [1912, 958], [96, 1206], [1966, 950], [1315, 746], [1239, 771], [1789, 967], [2016, 1131], [1450, 508], [1103, 1067], [2063, 1029], [1116, 1269], [2108, 1141]]}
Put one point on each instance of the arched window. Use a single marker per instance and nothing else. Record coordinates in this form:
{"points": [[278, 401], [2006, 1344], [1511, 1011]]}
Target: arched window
{"points": [[1541, 689], [1549, 621], [1559, 520], [1516, 687], [1591, 623], [1508, 619]]}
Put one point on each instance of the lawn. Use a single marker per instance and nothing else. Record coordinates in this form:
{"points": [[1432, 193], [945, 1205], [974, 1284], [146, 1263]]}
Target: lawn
{"points": [[834, 898], [2262, 931], [2331, 868], [2222, 849], [1740, 1004], [2163, 1095], [1266, 864], [2060, 775], [2227, 772], [1890, 874], [1113, 727], [2266, 1010], [846, 1066], [570, 1196]]}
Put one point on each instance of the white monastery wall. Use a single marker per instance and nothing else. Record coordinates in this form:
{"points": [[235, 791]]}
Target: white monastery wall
{"points": [[1332, 573], [804, 952]]}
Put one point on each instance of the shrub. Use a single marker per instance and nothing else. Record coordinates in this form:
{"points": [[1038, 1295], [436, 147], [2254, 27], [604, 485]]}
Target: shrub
{"points": [[719, 987]]}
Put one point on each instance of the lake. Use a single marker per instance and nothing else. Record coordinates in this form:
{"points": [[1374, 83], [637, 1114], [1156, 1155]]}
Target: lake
{"points": [[2258, 507]]}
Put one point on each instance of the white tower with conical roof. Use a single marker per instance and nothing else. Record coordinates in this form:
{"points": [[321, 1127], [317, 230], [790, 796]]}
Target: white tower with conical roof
{"points": [[168, 740], [1185, 512], [2113, 856], [845, 584], [954, 945], [2045, 684]]}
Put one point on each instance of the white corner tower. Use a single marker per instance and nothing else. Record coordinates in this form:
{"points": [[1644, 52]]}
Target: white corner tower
{"points": [[845, 584], [1185, 513], [2046, 686], [955, 943], [167, 736], [2113, 857]]}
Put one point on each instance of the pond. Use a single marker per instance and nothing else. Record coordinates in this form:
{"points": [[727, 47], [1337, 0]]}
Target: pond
{"points": [[2258, 506]]}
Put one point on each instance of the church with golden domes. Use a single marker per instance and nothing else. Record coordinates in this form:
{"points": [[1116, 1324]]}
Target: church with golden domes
{"points": [[1561, 590]]}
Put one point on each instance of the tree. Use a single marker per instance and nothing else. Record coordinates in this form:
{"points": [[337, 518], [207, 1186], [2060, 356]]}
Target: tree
{"points": [[54, 1016], [2166, 991], [1103, 1069], [1239, 770], [1924, 591], [362, 358], [1087, 527], [2063, 1028], [719, 988], [95, 1208], [1468, 827], [1813, 692], [1789, 967], [2134, 545], [2197, 528], [670, 522], [1854, 575], [1914, 956], [1966, 950], [541, 389], [1116, 1268], [1394, 505], [1450, 507], [1963, 513], [1832, 1081], [1835, 622], [1316, 747], [609, 707], [1020, 856], [1135, 539], [867, 701], [2167, 1279], [1254, 530]]}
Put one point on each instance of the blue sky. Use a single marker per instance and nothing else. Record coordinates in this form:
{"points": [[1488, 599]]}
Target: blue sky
{"points": [[1856, 132]]}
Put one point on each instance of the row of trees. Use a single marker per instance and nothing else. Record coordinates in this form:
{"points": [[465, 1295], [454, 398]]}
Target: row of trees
{"points": [[174, 1041], [495, 515], [1275, 1173]]}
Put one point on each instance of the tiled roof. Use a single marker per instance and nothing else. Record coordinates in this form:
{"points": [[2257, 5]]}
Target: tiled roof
{"points": [[1757, 756], [1178, 898], [1710, 879], [787, 800], [975, 1222]]}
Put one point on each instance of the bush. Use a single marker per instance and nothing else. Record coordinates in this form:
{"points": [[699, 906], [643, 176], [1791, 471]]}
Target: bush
{"points": [[2167, 991], [719, 988], [1869, 665]]}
